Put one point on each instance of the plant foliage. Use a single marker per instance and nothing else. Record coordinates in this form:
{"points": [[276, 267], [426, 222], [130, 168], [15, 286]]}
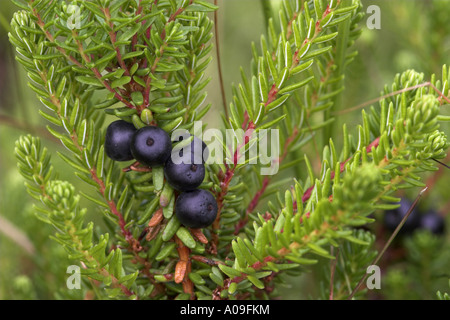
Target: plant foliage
{"points": [[144, 61]]}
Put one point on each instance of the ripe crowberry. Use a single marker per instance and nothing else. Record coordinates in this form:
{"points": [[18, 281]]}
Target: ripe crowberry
{"points": [[433, 221], [151, 146], [196, 209], [199, 151], [392, 218], [118, 139], [184, 176]]}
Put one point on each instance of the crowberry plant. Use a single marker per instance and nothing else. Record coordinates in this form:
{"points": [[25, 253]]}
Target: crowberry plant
{"points": [[216, 230]]}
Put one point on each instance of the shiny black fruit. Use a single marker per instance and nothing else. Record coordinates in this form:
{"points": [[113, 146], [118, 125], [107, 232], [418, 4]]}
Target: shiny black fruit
{"points": [[118, 140], [196, 152], [184, 176], [196, 209], [151, 146]]}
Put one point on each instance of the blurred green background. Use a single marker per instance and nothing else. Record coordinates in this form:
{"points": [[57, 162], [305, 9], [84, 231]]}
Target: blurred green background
{"points": [[414, 34]]}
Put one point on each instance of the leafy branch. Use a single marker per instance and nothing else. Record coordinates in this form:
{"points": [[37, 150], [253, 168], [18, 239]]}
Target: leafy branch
{"points": [[145, 62]]}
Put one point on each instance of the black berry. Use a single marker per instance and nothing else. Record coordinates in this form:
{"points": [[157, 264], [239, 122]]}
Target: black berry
{"points": [[433, 221], [118, 140], [184, 176], [151, 146], [196, 209], [199, 151], [392, 218]]}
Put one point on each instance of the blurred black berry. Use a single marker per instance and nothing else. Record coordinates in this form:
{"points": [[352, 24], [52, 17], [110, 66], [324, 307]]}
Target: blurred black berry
{"points": [[392, 218], [433, 222]]}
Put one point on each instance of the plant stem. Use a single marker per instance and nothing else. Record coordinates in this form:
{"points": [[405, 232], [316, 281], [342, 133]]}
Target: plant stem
{"points": [[333, 264], [368, 103], [255, 200], [4, 23], [219, 64], [41, 131], [16, 235], [388, 243], [339, 61], [441, 163]]}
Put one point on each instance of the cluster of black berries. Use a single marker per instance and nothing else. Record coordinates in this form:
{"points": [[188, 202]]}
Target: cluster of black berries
{"points": [[152, 146], [430, 220]]}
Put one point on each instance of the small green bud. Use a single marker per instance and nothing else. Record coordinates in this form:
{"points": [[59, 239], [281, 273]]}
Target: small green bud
{"points": [[146, 116], [423, 114], [361, 186]]}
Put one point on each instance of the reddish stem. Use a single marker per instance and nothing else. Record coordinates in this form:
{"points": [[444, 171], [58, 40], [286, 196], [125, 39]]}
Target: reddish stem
{"points": [[225, 183]]}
